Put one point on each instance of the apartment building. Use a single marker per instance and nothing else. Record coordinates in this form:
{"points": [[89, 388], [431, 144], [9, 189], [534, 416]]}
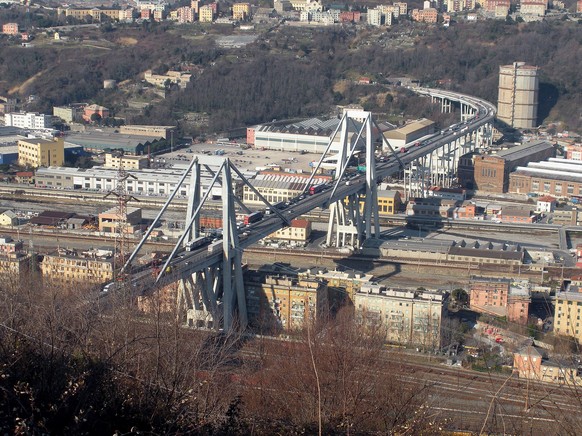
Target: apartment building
{"points": [[530, 363], [528, 7], [69, 114], [283, 301], [428, 15], [501, 297], [342, 285], [81, 14], [241, 11], [206, 14], [28, 120], [567, 313], [408, 317], [14, 260], [36, 152], [67, 266], [402, 7], [10, 29], [185, 14]]}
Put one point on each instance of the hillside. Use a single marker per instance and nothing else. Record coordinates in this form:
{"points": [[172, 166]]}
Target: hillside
{"points": [[293, 72]]}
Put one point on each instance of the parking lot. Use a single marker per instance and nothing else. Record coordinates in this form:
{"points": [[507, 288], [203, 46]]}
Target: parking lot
{"points": [[250, 159]]}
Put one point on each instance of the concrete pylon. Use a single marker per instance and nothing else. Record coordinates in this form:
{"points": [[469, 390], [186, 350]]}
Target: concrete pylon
{"points": [[357, 218]]}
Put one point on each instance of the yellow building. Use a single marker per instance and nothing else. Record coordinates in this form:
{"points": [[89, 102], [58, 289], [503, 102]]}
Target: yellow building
{"points": [[36, 152], [109, 220], [19, 267], [298, 231], [241, 11], [206, 14], [95, 13], [568, 313], [70, 268], [283, 302], [126, 162], [389, 202], [8, 218]]}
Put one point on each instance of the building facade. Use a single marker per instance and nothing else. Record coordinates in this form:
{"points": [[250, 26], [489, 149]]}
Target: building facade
{"points": [[36, 153], [529, 363], [427, 15], [298, 232], [500, 297], [241, 11], [278, 302], [70, 268], [492, 172], [95, 109], [110, 220], [126, 162], [568, 313], [206, 14], [10, 29], [408, 317], [28, 120]]}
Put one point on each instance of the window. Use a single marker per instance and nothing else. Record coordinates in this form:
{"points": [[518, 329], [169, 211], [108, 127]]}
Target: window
{"points": [[546, 187]]}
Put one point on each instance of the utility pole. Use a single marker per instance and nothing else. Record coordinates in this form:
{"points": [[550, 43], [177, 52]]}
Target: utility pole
{"points": [[123, 197]]}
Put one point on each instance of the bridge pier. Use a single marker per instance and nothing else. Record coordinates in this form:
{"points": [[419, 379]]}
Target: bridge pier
{"points": [[346, 222]]}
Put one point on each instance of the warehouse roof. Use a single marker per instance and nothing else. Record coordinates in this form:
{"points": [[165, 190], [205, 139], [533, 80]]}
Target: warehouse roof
{"points": [[524, 150], [103, 140]]}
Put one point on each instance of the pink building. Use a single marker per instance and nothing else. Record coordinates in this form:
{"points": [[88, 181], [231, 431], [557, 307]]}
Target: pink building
{"points": [[10, 29], [10, 247], [93, 109], [350, 17], [498, 296], [186, 15]]}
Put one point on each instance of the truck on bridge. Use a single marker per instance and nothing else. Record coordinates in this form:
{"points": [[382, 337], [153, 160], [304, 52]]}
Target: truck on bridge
{"points": [[252, 218]]}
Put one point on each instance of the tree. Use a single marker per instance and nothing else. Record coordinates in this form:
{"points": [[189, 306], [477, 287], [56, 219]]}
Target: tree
{"points": [[460, 296], [95, 118]]}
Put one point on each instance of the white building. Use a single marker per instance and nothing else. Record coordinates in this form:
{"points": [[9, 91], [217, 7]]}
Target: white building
{"points": [[375, 17], [28, 120], [156, 182], [410, 317]]}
